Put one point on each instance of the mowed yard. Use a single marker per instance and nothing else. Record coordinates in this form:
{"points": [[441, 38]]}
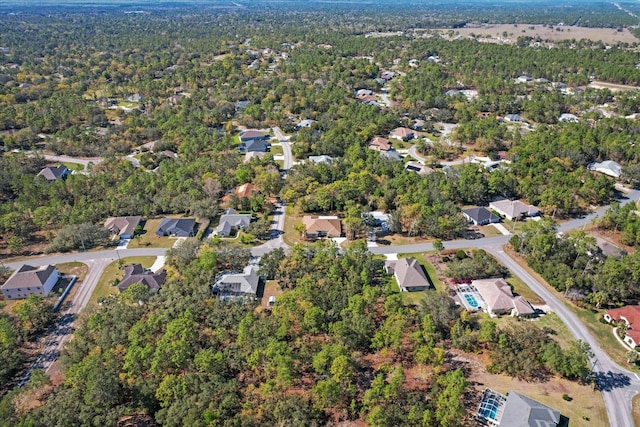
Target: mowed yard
{"points": [[113, 272], [148, 238]]}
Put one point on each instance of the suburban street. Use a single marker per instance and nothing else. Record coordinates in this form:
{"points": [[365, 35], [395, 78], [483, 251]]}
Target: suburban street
{"points": [[64, 327], [286, 147], [618, 385]]}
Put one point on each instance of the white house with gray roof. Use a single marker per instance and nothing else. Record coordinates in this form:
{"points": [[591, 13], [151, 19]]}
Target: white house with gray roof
{"points": [[237, 283], [232, 221], [28, 280]]}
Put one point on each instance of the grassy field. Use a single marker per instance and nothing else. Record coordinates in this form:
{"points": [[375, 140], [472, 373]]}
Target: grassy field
{"points": [[489, 231], [148, 238], [562, 334], [291, 236], [74, 166], [520, 288], [277, 150], [586, 409], [112, 272]]}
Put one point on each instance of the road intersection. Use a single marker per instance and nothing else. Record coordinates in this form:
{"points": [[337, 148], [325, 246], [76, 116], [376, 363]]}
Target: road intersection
{"points": [[617, 384]]}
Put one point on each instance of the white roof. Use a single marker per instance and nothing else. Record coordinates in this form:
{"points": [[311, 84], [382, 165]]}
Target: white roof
{"points": [[608, 167]]}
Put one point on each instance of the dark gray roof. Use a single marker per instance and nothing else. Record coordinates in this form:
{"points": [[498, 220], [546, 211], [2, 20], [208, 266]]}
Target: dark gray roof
{"points": [[122, 225], [176, 226], [52, 173], [134, 273], [256, 145], [521, 411], [28, 275], [481, 215]]}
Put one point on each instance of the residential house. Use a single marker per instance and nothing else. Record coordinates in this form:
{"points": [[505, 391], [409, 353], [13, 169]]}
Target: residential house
{"points": [[387, 75], [566, 117], [391, 155], [321, 159], [408, 273], [630, 315], [322, 226], [523, 79], [418, 168], [54, 173], [242, 105], [513, 118], [480, 216], [252, 134], [254, 145], [363, 92], [29, 280], [124, 226], [499, 298], [237, 283], [608, 167], [134, 273], [513, 209], [517, 410], [380, 144], [305, 124], [405, 134], [418, 124], [246, 190], [177, 227], [231, 221], [136, 97]]}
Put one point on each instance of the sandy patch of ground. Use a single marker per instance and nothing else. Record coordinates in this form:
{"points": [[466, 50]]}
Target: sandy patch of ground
{"points": [[553, 33]]}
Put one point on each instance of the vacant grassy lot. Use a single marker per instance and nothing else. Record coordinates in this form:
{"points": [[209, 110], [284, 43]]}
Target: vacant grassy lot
{"points": [[112, 272], [148, 238]]}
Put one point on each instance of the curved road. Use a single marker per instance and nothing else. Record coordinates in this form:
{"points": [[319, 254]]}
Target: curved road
{"points": [[617, 384]]}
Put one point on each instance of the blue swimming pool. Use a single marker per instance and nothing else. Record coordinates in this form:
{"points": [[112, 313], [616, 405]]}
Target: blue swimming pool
{"points": [[471, 300]]}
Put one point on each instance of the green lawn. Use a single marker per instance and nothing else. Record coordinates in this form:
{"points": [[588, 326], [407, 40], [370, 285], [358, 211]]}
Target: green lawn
{"points": [[277, 150], [429, 268], [74, 166], [520, 288], [148, 238], [604, 335], [112, 272]]}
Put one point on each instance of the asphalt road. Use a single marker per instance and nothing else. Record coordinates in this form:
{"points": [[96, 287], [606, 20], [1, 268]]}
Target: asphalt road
{"points": [[64, 327], [617, 384], [286, 147]]}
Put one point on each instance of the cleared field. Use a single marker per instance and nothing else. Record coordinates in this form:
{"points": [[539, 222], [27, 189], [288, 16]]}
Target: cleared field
{"points": [[553, 33]]}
